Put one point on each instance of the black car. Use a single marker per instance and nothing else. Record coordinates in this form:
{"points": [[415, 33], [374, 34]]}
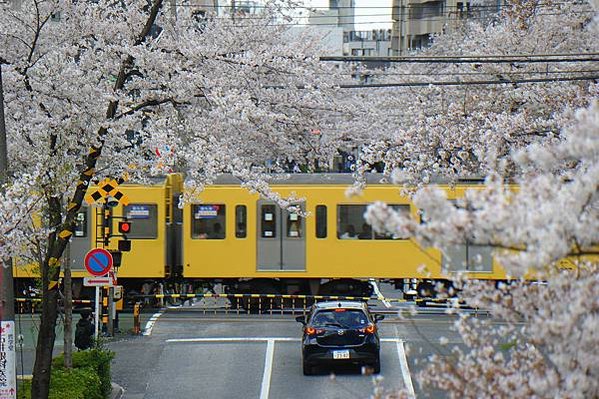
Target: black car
{"points": [[340, 332]]}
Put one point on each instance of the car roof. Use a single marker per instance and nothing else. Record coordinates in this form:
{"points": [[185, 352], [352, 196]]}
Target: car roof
{"points": [[341, 304]]}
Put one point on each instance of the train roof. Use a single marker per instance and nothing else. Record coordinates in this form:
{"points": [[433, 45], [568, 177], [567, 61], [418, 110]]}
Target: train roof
{"points": [[328, 178]]}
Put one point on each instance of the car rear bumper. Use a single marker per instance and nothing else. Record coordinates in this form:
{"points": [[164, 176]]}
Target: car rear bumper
{"points": [[366, 353]]}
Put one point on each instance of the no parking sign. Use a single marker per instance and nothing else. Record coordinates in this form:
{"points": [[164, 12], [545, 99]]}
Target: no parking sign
{"points": [[98, 261]]}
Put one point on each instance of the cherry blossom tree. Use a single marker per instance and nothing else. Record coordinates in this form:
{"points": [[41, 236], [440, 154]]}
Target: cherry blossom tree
{"points": [[466, 129], [103, 88], [538, 148]]}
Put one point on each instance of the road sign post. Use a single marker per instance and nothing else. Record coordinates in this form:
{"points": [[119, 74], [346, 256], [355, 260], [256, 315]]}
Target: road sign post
{"points": [[109, 195], [98, 262]]}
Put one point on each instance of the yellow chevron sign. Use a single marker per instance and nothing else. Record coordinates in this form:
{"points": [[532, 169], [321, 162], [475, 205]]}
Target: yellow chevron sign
{"points": [[107, 188]]}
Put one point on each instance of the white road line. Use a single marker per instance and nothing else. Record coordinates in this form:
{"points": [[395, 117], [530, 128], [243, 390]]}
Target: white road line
{"points": [[405, 371], [150, 323], [379, 295], [235, 339], [254, 339], [270, 352]]}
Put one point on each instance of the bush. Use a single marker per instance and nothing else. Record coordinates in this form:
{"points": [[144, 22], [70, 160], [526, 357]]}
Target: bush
{"points": [[96, 359], [77, 383]]}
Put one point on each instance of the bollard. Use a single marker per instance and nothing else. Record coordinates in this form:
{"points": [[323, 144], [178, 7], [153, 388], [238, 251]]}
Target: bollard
{"points": [[136, 319]]}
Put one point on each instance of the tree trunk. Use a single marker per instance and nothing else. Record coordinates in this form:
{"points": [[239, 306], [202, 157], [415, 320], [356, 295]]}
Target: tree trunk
{"points": [[40, 387], [68, 315], [58, 240]]}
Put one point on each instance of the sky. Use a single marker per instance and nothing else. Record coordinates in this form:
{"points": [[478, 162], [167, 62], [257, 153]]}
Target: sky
{"points": [[367, 16]]}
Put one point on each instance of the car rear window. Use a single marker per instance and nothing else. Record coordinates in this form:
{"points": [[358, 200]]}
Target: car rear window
{"points": [[343, 318]]}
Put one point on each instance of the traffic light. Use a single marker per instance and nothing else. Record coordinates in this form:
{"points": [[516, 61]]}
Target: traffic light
{"points": [[125, 227], [117, 256], [124, 245]]}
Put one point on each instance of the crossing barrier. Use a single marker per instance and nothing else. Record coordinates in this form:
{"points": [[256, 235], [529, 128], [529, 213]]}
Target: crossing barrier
{"points": [[28, 305], [251, 303]]}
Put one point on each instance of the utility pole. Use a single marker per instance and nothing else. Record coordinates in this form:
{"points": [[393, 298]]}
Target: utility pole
{"points": [[8, 386]]}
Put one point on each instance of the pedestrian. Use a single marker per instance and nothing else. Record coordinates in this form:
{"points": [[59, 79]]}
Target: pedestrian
{"points": [[84, 331]]}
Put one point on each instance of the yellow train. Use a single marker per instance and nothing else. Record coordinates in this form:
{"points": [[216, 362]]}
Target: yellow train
{"points": [[251, 245]]}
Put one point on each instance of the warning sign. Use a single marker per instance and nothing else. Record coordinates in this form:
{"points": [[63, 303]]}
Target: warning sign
{"points": [[8, 378]]}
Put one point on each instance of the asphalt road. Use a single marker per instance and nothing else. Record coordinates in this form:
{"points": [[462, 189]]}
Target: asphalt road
{"points": [[189, 352]]}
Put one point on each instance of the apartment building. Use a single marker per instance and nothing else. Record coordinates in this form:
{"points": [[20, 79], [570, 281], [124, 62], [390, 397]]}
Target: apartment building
{"points": [[414, 21], [360, 43]]}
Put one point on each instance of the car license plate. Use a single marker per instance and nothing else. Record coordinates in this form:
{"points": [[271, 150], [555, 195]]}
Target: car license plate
{"points": [[340, 354]]}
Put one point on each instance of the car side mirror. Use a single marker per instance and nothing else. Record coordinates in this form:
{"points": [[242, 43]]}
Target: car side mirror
{"points": [[301, 319], [378, 317]]}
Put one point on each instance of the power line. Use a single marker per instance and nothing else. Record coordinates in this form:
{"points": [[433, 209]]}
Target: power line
{"points": [[482, 73], [478, 59], [469, 83]]}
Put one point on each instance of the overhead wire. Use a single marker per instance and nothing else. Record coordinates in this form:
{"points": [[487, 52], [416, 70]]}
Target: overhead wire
{"points": [[469, 83], [378, 73], [471, 59]]}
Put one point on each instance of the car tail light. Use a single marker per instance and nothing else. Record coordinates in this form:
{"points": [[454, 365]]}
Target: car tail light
{"points": [[370, 329], [313, 331]]}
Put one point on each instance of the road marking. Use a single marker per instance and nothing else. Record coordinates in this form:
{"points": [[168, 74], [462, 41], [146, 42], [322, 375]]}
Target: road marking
{"points": [[151, 322], [254, 339], [379, 295], [234, 339], [405, 371], [270, 351]]}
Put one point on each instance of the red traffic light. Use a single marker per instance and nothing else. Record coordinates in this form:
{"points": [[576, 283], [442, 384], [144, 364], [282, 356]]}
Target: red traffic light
{"points": [[124, 227]]}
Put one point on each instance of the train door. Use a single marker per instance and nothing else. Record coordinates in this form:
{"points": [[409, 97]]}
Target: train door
{"points": [[81, 241], [281, 238]]}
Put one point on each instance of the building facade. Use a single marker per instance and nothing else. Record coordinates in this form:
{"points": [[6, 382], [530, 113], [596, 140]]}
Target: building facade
{"points": [[359, 43], [414, 21]]}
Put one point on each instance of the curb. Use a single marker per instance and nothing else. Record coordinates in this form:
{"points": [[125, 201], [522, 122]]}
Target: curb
{"points": [[117, 391]]}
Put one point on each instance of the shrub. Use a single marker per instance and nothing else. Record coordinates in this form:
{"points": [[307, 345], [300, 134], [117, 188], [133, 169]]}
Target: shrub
{"points": [[97, 359], [77, 383]]}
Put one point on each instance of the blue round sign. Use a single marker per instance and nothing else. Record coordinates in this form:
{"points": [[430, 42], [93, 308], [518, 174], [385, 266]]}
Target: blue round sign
{"points": [[98, 262]]}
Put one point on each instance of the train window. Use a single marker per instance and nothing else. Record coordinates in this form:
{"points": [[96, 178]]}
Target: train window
{"points": [[208, 221], [350, 216], [240, 221], [294, 225], [268, 221], [401, 209], [81, 224], [144, 220], [321, 221]]}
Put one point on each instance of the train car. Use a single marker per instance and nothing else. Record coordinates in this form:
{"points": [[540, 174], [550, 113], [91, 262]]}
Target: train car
{"points": [[251, 245], [153, 232]]}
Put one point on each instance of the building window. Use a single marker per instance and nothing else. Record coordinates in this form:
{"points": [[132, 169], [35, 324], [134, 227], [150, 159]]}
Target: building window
{"points": [[321, 221], [208, 221]]}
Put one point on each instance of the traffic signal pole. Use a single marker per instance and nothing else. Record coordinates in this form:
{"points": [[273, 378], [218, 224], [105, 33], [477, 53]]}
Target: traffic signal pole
{"points": [[8, 387]]}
